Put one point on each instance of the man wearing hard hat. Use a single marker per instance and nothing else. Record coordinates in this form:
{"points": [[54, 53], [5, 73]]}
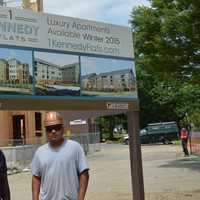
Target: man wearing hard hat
{"points": [[59, 168]]}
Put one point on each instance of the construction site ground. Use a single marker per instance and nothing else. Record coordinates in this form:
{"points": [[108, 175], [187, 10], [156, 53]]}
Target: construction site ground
{"points": [[168, 175]]}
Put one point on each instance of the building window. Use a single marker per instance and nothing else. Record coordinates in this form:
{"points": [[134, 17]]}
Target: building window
{"points": [[38, 123]]}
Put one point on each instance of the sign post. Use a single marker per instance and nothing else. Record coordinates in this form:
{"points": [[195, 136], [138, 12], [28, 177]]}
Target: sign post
{"points": [[135, 156]]}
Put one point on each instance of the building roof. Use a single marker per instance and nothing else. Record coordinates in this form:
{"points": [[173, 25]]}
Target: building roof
{"points": [[120, 72], [70, 65], [55, 65], [3, 60], [19, 62], [46, 62], [88, 75]]}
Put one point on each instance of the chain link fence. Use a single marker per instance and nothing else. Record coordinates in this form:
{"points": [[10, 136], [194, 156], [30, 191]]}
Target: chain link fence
{"points": [[19, 153]]}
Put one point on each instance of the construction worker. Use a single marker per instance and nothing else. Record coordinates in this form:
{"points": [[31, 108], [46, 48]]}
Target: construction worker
{"points": [[59, 168], [4, 187], [184, 139]]}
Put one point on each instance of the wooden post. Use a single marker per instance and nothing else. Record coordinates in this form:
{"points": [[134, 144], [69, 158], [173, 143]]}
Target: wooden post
{"points": [[135, 156]]}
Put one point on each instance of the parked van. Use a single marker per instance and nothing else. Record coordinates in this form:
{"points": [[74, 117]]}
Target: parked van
{"points": [[164, 132]]}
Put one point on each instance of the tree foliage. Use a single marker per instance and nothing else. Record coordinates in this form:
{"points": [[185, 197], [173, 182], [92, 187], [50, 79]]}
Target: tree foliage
{"points": [[167, 50], [167, 37], [108, 123]]}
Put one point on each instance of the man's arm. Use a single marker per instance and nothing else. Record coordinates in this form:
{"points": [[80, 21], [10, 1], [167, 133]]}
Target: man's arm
{"points": [[36, 182], [84, 178], [5, 186]]}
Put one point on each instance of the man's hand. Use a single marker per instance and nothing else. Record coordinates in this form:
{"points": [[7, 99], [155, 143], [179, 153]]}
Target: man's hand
{"points": [[84, 178], [36, 182]]}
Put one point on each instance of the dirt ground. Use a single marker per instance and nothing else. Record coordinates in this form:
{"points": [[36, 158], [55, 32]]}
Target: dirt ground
{"points": [[167, 175]]}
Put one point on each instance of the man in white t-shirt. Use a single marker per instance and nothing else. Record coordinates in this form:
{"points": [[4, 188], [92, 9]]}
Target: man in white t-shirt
{"points": [[59, 168]]}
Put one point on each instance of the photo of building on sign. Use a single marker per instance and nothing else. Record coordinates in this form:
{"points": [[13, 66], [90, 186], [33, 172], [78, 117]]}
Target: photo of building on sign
{"points": [[16, 71], [56, 74], [108, 78]]}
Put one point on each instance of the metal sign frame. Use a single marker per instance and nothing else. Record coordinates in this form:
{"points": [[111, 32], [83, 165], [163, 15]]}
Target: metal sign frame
{"points": [[128, 105]]}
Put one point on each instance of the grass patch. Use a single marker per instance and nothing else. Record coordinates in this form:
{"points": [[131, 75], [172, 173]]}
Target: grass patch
{"points": [[177, 142]]}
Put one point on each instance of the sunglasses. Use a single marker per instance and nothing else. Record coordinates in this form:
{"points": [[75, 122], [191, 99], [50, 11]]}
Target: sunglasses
{"points": [[49, 129]]}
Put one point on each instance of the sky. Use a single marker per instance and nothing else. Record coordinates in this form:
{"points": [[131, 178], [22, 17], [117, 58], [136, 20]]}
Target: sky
{"points": [[109, 11], [98, 65], [57, 58]]}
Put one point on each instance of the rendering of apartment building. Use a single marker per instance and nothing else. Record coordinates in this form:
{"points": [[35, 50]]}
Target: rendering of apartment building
{"points": [[89, 82], [13, 71], [4, 75], [70, 73], [120, 80], [49, 73], [46, 72]]}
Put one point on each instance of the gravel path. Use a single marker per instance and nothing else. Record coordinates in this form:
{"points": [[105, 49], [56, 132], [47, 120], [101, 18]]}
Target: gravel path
{"points": [[167, 175]]}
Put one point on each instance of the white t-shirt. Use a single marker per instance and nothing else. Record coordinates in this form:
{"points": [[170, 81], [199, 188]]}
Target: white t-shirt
{"points": [[59, 170]]}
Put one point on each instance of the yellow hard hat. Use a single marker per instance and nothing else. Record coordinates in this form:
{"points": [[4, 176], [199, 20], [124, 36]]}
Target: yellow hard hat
{"points": [[52, 118]]}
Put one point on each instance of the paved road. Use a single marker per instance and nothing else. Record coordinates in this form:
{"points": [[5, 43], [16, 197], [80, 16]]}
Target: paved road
{"points": [[167, 174]]}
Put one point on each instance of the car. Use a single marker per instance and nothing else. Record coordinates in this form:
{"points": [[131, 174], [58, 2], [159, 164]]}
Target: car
{"points": [[162, 132], [126, 139]]}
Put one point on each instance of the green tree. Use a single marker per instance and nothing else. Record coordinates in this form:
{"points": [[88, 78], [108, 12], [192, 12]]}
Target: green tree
{"points": [[108, 123], [167, 50], [156, 99], [167, 37]]}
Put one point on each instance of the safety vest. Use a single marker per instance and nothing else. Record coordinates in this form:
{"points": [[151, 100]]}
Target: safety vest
{"points": [[184, 135]]}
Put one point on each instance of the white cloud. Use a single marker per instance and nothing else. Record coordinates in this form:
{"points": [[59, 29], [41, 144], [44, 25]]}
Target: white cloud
{"points": [[59, 59], [110, 11]]}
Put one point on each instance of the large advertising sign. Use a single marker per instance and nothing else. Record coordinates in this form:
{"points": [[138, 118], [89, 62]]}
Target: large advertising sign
{"points": [[44, 56], [46, 31]]}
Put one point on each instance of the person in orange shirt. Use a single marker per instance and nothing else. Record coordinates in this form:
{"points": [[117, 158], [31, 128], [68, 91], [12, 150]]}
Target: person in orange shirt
{"points": [[184, 139]]}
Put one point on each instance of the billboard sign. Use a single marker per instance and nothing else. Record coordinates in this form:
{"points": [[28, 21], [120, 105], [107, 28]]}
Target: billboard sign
{"points": [[48, 59], [53, 32]]}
